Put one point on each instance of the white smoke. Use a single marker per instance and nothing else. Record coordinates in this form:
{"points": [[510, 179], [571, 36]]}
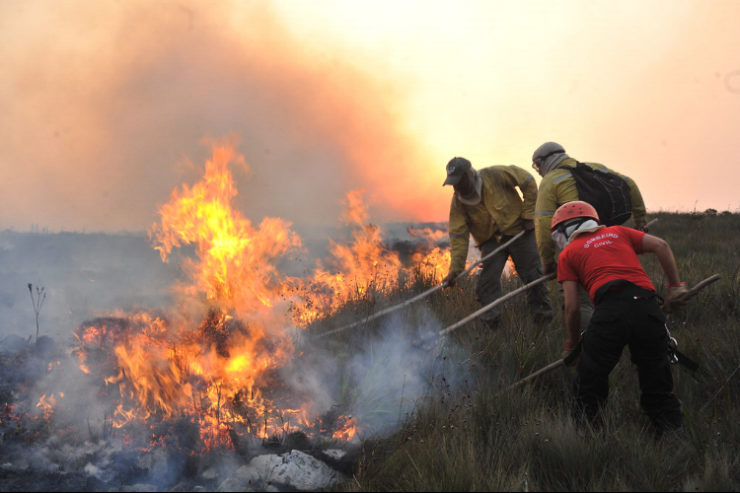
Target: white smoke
{"points": [[382, 381]]}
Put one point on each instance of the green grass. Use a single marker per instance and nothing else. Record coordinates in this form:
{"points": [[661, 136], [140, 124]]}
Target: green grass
{"points": [[488, 438]]}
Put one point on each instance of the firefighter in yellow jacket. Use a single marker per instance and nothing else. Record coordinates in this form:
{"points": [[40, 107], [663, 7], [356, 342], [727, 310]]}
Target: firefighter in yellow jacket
{"points": [[559, 187], [487, 206]]}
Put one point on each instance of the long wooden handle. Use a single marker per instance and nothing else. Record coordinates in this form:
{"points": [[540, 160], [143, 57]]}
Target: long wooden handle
{"points": [[501, 247], [546, 369], [699, 286], [496, 302]]}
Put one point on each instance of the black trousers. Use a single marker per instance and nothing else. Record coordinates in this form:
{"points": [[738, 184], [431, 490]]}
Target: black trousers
{"points": [[627, 315], [527, 263]]}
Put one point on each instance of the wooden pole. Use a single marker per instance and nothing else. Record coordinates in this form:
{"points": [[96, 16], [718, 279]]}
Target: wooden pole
{"points": [[495, 303], [699, 286], [541, 371]]}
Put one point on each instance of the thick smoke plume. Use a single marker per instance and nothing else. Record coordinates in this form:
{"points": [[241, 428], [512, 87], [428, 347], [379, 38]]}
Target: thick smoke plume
{"points": [[103, 99]]}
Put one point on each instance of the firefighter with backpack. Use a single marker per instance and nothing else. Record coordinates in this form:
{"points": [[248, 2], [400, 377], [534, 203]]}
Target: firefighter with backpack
{"points": [[559, 173], [564, 179]]}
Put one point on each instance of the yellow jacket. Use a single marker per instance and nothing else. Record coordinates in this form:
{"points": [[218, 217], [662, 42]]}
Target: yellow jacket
{"points": [[501, 211], [558, 187]]}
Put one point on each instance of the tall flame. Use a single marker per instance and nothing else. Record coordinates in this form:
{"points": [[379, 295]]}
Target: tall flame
{"points": [[356, 269], [219, 372], [235, 267], [171, 370]]}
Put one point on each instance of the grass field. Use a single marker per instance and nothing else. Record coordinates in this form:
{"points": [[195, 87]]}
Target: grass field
{"points": [[479, 436]]}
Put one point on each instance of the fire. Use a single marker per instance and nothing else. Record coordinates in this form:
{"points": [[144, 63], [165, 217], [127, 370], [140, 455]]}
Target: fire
{"points": [[428, 234], [347, 432], [212, 372], [358, 268], [218, 369], [510, 269], [235, 267], [356, 212], [365, 266], [433, 265], [47, 403]]}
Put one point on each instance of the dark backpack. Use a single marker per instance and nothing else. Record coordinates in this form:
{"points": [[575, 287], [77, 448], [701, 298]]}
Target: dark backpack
{"points": [[606, 191]]}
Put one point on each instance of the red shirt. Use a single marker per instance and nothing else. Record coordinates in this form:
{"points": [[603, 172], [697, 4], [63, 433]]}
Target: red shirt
{"points": [[607, 254]]}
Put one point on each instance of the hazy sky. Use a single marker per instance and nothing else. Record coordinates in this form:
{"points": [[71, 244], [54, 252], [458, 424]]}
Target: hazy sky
{"points": [[105, 104]]}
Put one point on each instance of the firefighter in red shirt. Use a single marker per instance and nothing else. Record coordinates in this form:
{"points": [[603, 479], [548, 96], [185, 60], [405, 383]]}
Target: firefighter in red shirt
{"points": [[604, 260]]}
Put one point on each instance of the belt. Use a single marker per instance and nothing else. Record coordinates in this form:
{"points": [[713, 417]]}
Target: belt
{"points": [[622, 287]]}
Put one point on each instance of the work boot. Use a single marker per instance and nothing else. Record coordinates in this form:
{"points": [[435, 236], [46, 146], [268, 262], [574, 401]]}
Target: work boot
{"points": [[667, 424]]}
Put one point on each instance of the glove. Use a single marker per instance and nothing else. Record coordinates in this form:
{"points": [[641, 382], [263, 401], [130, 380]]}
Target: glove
{"points": [[449, 281], [528, 224], [674, 298]]}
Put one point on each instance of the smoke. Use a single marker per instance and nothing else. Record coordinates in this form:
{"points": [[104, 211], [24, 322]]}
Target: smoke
{"points": [[84, 275], [396, 372], [385, 376], [106, 104]]}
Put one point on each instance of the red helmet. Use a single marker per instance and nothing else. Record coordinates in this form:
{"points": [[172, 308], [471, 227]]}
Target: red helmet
{"points": [[570, 210]]}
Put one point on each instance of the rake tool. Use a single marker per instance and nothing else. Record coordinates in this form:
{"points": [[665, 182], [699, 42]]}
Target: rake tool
{"points": [[563, 361], [436, 337], [418, 297]]}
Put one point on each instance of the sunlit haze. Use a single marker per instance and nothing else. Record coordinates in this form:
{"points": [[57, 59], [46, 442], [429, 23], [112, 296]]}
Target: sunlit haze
{"points": [[108, 106]]}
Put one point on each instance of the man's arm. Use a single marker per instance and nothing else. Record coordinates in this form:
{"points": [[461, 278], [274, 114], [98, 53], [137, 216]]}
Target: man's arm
{"points": [[459, 243], [518, 177], [556, 188], [544, 209], [676, 288], [662, 250]]}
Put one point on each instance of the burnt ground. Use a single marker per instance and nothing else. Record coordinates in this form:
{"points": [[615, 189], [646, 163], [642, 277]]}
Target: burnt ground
{"points": [[40, 453]]}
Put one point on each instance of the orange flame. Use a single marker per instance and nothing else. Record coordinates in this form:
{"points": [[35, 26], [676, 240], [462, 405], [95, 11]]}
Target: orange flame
{"points": [[430, 235], [234, 267], [364, 266], [47, 403], [510, 269], [361, 267], [219, 373], [347, 432]]}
